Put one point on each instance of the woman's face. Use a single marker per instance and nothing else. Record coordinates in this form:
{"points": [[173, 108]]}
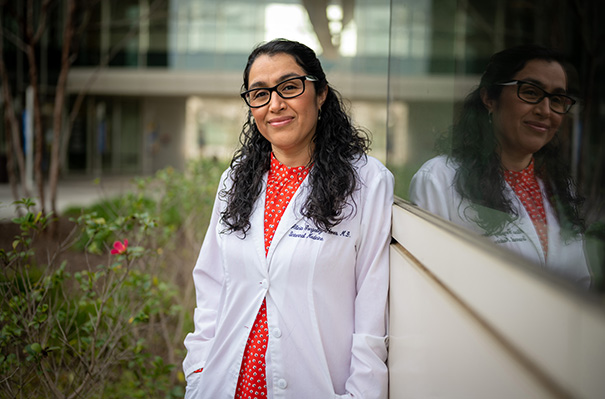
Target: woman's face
{"points": [[288, 124], [522, 128]]}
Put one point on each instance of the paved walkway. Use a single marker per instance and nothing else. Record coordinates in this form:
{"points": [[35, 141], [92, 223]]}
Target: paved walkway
{"points": [[71, 192]]}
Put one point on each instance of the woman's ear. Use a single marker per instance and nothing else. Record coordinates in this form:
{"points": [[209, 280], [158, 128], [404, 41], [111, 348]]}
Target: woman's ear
{"points": [[321, 97], [487, 101]]}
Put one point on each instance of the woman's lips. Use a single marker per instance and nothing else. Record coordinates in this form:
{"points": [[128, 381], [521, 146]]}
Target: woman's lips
{"points": [[541, 127], [278, 122]]}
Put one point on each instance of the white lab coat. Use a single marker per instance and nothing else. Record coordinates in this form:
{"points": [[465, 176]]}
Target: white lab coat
{"points": [[326, 299], [432, 188]]}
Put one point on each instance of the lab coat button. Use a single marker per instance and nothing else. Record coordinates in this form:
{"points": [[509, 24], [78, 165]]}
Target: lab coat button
{"points": [[281, 383], [276, 332], [265, 284]]}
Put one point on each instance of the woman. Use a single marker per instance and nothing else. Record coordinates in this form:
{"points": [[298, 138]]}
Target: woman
{"points": [[292, 277], [501, 173]]}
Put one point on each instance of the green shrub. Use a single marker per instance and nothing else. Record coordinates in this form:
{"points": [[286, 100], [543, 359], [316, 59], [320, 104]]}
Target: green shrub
{"points": [[112, 328], [71, 335]]}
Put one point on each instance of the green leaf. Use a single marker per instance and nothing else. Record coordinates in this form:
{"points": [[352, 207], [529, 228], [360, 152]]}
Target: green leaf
{"points": [[34, 349]]}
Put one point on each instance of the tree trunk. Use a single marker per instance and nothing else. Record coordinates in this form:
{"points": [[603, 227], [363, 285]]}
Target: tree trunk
{"points": [[55, 158], [32, 39], [10, 166], [13, 136]]}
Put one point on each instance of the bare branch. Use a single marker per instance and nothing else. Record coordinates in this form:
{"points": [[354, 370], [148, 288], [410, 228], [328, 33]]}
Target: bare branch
{"points": [[50, 384], [14, 39], [42, 23]]}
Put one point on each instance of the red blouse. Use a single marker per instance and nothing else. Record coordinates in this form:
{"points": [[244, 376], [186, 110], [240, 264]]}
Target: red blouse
{"points": [[527, 189]]}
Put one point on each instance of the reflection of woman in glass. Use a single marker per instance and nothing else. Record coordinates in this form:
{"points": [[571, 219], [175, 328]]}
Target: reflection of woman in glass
{"points": [[501, 173], [292, 278]]}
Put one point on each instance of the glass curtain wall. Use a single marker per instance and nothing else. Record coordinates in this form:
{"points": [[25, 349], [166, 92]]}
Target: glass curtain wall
{"points": [[209, 40], [214, 37], [440, 48], [123, 33]]}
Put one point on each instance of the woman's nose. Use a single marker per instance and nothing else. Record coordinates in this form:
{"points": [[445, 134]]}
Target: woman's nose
{"points": [[543, 107], [276, 103]]}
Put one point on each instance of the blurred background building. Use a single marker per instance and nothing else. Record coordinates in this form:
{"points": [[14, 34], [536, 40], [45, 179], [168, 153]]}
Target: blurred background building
{"points": [[161, 77], [156, 82], [168, 88]]}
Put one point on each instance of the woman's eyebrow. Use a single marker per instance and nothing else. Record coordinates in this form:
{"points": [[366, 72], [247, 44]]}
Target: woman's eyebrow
{"points": [[262, 84], [559, 90]]}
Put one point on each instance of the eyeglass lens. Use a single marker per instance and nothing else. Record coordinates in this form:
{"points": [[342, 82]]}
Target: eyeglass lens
{"points": [[533, 94], [287, 89]]}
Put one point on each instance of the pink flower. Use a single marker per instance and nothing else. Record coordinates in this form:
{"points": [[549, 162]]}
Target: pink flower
{"points": [[119, 248]]}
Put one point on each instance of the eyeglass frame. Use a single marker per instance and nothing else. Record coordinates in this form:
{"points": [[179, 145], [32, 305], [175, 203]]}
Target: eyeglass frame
{"points": [[302, 78], [546, 95]]}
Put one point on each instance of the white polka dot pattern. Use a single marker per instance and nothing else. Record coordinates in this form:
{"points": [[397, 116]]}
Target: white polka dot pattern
{"points": [[527, 189], [252, 382], [282, 183]]}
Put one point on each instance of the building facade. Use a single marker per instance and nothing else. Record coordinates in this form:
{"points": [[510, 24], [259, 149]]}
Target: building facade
{"points": [[170, 90]]}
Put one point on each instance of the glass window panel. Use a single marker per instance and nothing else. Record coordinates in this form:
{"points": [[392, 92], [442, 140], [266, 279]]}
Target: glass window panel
{"points": [[438, 51]]}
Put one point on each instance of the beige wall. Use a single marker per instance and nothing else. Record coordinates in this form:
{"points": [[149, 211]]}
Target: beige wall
{"points": [[470, 320]]}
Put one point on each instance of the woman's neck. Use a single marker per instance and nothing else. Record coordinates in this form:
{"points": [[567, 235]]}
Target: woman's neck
{"points": [[292, 160], [515, 163]]}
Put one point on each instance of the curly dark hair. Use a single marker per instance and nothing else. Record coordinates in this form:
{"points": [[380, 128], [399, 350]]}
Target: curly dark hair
{"points": [[471, 142], [337, 142]]}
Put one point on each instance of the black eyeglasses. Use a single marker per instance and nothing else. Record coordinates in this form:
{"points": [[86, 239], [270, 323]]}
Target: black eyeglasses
{"points": [[533, 94], [289, 88]]}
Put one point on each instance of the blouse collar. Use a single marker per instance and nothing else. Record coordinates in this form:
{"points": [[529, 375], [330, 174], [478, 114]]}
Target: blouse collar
{"points": [[512, 176], [277, 166]]}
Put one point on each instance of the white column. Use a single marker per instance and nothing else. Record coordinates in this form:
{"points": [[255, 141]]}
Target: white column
{"points": [[29, 137]]}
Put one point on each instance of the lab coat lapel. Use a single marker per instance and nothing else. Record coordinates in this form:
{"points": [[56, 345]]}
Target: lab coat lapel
{"points": [[291, 216], [257, 229], [553, 227], [525, 224]]}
